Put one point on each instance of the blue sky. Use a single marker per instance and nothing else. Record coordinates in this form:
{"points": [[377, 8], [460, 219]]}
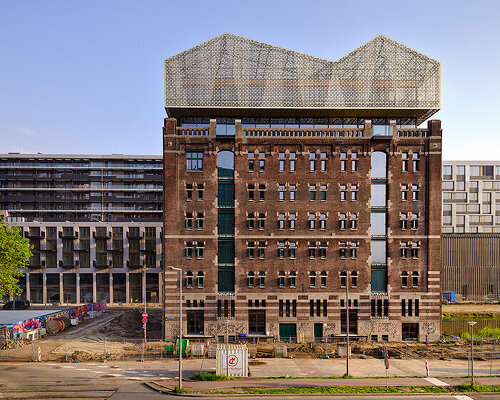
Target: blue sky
{"points": [[87, 76]]}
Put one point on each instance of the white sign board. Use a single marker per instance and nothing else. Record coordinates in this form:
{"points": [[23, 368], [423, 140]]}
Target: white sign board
{"points": [[232, 360]]}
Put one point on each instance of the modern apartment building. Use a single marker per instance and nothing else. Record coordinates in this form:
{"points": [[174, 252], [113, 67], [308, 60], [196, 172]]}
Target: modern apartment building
{"points": [[94, 221], [471, 229], [291, 179], [471, 196]]}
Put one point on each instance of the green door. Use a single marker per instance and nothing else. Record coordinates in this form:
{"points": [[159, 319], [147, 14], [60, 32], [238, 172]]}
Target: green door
{"points": [[288, 332], [318, 331]]}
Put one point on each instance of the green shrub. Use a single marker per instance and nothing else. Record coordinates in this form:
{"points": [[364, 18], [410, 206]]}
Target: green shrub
{"points": [[208, 376]]}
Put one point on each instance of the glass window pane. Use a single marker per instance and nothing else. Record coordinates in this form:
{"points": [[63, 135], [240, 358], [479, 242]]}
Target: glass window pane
{"points": [[378, 224], [378, 251], [378, 198], [379, 165]]}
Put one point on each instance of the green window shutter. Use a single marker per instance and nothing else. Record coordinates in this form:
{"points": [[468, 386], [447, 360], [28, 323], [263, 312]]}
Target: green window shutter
{"points": [[379, 280], [225, 222]]}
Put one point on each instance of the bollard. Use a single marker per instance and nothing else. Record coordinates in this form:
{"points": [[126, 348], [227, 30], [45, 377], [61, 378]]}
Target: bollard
{"points": [[104, 354], [32, 349]]}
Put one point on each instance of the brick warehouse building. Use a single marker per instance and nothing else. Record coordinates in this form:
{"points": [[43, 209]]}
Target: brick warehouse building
{"points": [[288, 177]]}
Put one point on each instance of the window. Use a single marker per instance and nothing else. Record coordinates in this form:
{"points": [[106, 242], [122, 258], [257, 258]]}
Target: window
{"points": [[410, 307], [312, 192], [292, 246], [414, 191], [323, 158], [323, 276], [199, 220], [189, 279], [404, 157], [416, 159], [343, 250], [194, 160], [343, 162], [448, 172], [403, 308], [343, 279], [404, 250], [251, 162], [262, 279], [312, 279], [293, 189], [343, 192], [322, 221], [199, 279], [251, 279], [312, 221], [189, 220], [354, 161], [404, 221], [189, 246], [354, 192], [262, 192], [262, 220], [322, 192], [404, 279], [414, 278], [417, 307], [262, 250], [292, 278], [292, 218], [281, 279], [281, 157], [262, 162], [281, 192], [414, 221], [312, 250], [281, 221], [251, 250], [200, 188], [342, 221], [251, 191], [312, 162], [281, 250], [293, 157], [322, 249], [251, 221], [414, 249], [189, 191], [353, 221], [354, 281], [199, 249], [353, 251], [404, 192]]}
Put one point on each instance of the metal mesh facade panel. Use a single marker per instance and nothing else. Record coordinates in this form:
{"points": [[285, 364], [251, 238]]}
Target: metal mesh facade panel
{"points": [[230, 71]]}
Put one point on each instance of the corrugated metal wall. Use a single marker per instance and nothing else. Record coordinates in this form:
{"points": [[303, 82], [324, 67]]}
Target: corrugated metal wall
{"points": [[471, 265]]}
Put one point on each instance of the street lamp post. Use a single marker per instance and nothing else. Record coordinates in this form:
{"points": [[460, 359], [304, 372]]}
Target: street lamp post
{"points": [[471, 324], [180, 324]]}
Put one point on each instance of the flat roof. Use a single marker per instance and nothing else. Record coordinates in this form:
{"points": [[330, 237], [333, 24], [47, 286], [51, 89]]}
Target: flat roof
{"points": [[9, 317]]}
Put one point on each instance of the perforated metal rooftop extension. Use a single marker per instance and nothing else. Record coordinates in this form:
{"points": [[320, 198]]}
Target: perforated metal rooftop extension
{"points": [[380, 78]]}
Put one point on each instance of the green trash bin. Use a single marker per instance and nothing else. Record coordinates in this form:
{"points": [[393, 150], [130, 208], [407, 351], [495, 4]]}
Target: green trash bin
{"points": [[169, 349], [185, 343]]}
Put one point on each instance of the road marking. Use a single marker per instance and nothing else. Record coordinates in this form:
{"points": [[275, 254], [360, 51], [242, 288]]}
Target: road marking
{"points": [[436, 382], [67, 366], [103, 366], [463, 398]]}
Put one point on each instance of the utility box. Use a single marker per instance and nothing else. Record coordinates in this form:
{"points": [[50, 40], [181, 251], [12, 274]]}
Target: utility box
{"points": [[449, 296], [232, 360]]}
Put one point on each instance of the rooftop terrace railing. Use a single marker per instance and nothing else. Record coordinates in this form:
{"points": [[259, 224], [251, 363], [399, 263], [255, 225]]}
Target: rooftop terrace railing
{"points": [[303, 132], [192, 131], [414, 132]]}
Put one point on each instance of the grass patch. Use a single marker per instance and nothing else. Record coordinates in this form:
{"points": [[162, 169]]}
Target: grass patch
{"points": [[209, 376], [179, 390], [341, 389], [477, 388]]}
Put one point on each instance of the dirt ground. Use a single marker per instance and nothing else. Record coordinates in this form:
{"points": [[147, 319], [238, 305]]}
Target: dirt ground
{"points": [[471, 308], [128, 325]]}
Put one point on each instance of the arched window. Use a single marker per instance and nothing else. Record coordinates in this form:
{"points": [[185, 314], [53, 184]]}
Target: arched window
{"points": [[312, 279], [354, 278], [262, 279], [199, 279], [281, 279], [404, 279], [292, 278], [323, 276], [414, 278], [189, 279], [251, 279], [343, 279], [225, 164]]}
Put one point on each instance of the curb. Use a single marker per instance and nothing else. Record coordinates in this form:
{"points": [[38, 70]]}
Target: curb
{"points": [[163, 389]]}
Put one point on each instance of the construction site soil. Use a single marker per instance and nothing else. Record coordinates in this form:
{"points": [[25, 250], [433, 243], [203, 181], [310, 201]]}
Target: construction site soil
{"points": [[128, 325]]}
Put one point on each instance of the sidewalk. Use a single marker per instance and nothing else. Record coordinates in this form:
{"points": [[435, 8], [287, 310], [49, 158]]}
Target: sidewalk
{"points": [[237, 385]]}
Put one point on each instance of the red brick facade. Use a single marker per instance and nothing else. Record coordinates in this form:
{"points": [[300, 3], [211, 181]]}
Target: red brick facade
{"points": [[329, 292]]}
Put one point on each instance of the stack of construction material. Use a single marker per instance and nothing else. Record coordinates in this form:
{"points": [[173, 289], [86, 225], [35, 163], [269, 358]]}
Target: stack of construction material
{"points": [[57, 324]]}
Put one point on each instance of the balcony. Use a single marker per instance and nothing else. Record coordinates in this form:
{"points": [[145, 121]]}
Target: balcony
{"points": [[102, 264], [102, 235], [68, 264], [67, 234], [82, 246], [135, 235], [135, 262], [304, 132], [408, 133], [192, 131], [34, 234]]}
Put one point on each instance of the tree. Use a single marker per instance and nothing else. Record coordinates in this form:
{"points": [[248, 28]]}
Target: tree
{"points": [[15, 252]]}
